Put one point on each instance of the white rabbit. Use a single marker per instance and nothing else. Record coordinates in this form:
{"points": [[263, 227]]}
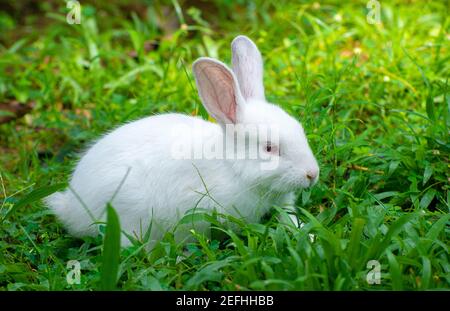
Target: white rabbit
{"points": [[134, 168]]}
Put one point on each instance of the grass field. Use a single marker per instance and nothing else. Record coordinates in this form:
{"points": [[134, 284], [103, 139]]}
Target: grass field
{"points": [[374, 99]]}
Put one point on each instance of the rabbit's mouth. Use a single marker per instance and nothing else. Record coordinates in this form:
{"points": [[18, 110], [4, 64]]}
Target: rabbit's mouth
{"points": [[288, 183]]}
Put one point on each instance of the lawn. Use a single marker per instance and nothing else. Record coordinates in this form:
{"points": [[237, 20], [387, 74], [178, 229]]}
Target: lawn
{"points": [[373, 97]]}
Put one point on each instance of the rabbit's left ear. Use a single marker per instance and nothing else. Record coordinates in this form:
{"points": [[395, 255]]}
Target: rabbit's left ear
{"points": [[218, 89], [248, 67]]}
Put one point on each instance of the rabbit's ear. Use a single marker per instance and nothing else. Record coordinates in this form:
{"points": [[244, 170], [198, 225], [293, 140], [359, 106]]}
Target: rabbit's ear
{"points": [[218, 89], [248, 67]]}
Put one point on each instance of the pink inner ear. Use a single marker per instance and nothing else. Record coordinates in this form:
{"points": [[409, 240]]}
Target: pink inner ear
{"points": [[216, 85]]}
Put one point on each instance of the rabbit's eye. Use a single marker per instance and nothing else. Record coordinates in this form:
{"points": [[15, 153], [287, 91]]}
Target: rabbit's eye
{"points": [[270, 148]]}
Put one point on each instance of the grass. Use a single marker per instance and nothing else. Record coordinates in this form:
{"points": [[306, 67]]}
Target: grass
{"points": [[374, 100]]}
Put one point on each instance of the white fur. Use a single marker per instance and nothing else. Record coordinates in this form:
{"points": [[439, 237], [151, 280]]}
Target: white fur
{"points": [[132, 167]]}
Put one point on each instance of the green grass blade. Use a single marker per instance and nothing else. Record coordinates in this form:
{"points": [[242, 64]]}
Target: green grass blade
{"points": [[33, 196], [111, 251], [437, 227], [426, 273], [395, 272], [394, 229], [355, 240]]}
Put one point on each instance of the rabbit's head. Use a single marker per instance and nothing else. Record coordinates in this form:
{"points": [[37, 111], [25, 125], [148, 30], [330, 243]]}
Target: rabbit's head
{"points": [[236, 97]]}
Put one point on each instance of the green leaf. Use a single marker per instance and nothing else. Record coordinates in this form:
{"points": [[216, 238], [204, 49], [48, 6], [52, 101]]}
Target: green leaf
{"points": [[210, 272], [33, 196], [127, 78], [152, 283], [384, 195], [355, 240], [426, 273], [196, 217], [322, 231], [379, 247], [437, 227], [111, 251], [392, 167], [395, 272], [427, 174], [395, 228], [430, 107], [427, 198], [238, 243], [202, 112]]}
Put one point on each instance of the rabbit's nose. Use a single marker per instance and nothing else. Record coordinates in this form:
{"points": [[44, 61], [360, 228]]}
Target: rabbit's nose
{"points": [[312, 175]]}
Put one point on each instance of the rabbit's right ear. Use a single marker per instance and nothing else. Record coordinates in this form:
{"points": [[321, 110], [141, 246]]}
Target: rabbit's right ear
{"points": [[248, 67], [218, 89]]}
